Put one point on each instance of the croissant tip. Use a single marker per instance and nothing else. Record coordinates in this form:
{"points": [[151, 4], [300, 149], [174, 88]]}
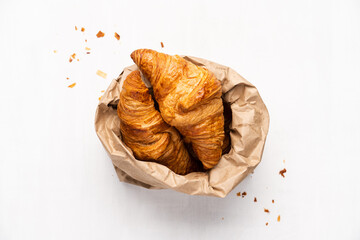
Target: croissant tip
{"points": [[139, 52], [135, 73], [132, 55]]}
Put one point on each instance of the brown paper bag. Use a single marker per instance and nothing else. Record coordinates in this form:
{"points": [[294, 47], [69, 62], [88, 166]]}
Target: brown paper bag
{"points": [[248, 130]]}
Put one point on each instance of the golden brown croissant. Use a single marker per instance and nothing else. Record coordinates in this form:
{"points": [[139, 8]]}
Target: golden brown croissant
{"points": [[189, 98], [145, 132]]}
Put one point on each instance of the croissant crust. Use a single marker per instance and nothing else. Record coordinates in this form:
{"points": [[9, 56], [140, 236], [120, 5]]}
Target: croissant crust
{"points": [[189, 99], [146, 133]]}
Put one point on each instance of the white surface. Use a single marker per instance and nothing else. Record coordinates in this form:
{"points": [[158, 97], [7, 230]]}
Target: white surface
{"points": [[56, 181]]}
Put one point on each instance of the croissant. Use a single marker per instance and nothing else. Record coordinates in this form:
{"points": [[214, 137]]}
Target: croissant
{"points": [[189, 99], [145, 132]]}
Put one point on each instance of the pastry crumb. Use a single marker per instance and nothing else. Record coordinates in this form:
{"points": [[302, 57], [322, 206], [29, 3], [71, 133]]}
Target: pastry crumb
{"points": [[266, 223], [75, 28], [88, 49], [102, 90], [83, 29], [278, 218], [72, 57], [99, 98], [255, 200], [273, 201], [243, 194], [87, 52], [67, 78], [117, 36], [55, 51], [101, 74], [100, 34], [72, 85], [238, 194], [282, 172], [266, 210], [162, 44]]}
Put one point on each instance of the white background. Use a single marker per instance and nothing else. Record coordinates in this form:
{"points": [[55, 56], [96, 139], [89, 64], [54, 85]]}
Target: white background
{"points": [[56, 181]]}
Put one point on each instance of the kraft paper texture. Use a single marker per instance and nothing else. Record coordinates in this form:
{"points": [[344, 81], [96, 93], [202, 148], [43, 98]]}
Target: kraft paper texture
{"points": [[248, 129]]}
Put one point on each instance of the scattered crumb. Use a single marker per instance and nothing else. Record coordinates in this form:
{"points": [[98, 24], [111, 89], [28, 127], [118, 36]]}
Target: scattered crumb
{"points": [[284, 161], [239, 194], [87, 52], [101, 74], [100, 34], [99, 98], [282, 172], [67, 78], [77, 59], [266, 210], [255, 200], [73, 55], [88, 49], [273, 201], [70, 59], [102, 90], [278, 218], [117, 36], [266, 223], [55, 51], [162, 44], [75, 28], [72, 85], [85, 40], [83, 29]]}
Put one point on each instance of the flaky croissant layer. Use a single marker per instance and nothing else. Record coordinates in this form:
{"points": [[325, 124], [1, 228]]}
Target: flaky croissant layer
{"points": [[146, 133], [189, 99]]}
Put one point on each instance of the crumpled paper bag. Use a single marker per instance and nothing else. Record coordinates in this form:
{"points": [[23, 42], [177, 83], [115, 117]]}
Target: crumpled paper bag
{"points": [[248, 130]]}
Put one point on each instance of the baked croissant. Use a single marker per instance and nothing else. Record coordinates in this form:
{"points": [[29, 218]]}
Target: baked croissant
{"points": [[145, 132], [189, 99]]}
